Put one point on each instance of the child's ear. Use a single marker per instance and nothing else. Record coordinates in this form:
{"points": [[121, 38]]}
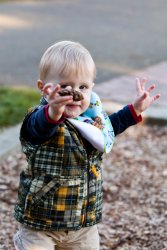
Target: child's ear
{"points": [[40, 85]]}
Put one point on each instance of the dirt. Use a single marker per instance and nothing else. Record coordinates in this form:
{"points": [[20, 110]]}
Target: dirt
{"points": [[135, 192]]}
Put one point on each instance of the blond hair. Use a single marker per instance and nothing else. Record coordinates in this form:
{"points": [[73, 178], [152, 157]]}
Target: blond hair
{"points": [[64, 59]]}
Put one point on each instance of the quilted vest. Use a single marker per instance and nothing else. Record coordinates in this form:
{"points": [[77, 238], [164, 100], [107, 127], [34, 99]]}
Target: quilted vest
{"points": [[61, 187]]}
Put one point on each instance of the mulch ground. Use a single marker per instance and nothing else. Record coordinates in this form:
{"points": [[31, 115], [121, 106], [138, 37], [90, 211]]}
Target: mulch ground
{"points": [[135, 192]]}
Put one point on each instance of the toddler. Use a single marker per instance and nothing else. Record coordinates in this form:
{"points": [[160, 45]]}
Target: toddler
{"points": [[60, 192]]}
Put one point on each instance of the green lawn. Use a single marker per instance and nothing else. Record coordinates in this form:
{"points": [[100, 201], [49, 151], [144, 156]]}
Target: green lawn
{"points": [[14, 103]]}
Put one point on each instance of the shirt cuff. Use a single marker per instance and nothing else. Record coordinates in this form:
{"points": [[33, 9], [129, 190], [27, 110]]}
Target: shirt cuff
{"points": [[51, 120], [137, 118]]}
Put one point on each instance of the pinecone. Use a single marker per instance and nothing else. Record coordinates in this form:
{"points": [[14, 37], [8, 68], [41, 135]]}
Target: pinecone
{"points": [[77, 96]]}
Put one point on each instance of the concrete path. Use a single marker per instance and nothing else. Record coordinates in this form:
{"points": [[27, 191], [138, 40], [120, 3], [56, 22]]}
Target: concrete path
{"points": [[9, 140]]}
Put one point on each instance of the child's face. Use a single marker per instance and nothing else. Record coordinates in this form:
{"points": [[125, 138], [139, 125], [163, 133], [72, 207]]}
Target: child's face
{"points": [[83, 85]]}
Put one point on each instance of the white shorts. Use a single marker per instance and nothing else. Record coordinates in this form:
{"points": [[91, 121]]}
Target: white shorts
{"points": [[86, 238]]}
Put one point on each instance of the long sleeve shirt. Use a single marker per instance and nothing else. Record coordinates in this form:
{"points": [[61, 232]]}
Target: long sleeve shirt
{"points": [[38, 127]]}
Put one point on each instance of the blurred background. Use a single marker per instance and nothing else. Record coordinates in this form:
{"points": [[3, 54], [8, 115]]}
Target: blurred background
{"points": [[127, 38], [123, 36]]}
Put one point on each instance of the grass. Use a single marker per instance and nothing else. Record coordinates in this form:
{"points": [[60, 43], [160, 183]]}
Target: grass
{"points": [[14, 102]]}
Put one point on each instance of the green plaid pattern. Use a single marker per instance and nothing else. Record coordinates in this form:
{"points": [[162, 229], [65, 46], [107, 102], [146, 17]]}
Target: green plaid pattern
{"points": [[59, 190]]}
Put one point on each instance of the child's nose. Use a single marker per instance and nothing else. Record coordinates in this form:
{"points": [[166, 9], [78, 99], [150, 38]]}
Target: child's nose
{"points": [[69, 87]]}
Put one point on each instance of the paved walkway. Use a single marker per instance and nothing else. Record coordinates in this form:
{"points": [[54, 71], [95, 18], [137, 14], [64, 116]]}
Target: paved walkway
{"points": [[114, 94], [9, 140]]}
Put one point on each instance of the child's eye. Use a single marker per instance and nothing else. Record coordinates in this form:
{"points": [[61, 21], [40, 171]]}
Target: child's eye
{"points": [[63, 86], [83, 87]]}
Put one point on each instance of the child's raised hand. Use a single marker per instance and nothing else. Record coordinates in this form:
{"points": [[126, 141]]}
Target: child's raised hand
{"points": [[56, 102], [143, 98]]}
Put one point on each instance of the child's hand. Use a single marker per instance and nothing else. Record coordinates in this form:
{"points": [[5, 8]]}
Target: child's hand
{"points": [[56, 102], [143, 98]]}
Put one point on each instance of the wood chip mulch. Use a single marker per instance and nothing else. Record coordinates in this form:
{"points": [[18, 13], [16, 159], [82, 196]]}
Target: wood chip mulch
{"points": [[135, 192]]}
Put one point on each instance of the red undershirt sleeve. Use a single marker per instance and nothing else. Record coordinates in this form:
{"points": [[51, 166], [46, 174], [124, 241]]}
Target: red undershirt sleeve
{"points": [[137, 118], [51, 120]]}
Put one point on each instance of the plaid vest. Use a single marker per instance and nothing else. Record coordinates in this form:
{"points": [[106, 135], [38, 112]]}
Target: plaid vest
{"points": [[61, 187]]}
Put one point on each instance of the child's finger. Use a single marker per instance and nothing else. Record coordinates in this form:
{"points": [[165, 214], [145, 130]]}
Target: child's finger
{"points": [[138, 86], [156, 97], [54, 91], [47, 88], [50, 89], [61, 101], [151, 88], [143, 82]]}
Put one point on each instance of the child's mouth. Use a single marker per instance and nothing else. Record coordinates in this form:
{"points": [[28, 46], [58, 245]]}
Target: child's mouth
{"points": [[72, 106]]}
